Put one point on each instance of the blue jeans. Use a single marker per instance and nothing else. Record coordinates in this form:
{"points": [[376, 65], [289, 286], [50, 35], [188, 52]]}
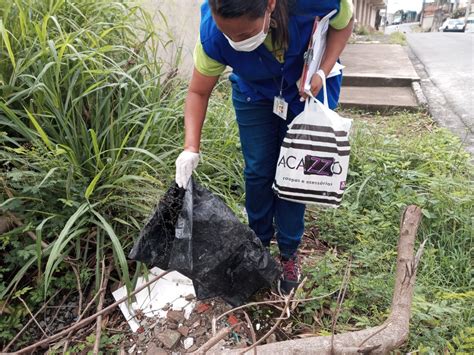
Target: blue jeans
{"points": [[261, 136]]}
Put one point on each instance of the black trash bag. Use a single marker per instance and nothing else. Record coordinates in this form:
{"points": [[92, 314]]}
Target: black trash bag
{"points": [[195, 233], [157, 237]]}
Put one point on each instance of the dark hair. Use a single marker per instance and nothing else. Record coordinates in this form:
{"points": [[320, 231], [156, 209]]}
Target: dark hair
{"points": [[255, 9]]}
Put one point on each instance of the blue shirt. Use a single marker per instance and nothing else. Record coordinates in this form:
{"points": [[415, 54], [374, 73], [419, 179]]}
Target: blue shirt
{"points": [[258, 75]]}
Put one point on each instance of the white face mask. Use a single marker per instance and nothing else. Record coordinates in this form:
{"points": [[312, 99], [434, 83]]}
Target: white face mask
{"points": [[252, 43]]}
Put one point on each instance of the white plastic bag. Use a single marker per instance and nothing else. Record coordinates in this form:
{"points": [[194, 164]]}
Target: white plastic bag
{"points": [[314, 157]]}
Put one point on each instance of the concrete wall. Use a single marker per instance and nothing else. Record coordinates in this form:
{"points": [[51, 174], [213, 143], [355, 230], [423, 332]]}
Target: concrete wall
{"points": [[427, 22], [182, 25]]}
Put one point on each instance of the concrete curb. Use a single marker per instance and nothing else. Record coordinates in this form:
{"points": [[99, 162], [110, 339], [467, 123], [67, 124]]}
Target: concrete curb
{"points": [[379, 109], [420, 95], [377, 81], [379, 99]]}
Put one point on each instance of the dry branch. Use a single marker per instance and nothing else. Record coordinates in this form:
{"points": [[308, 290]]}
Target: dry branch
{"points": [[377, 340], [29, 322], [213, 341], [18, 223], [32, 316], [252, 331], [103, 287]]}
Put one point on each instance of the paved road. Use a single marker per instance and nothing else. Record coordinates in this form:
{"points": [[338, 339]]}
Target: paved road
{"points": [[448, 59], [404, 27]]}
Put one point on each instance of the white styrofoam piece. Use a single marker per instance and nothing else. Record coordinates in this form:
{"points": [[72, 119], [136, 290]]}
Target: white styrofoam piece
{"points": [[188, 342], [119, 294], [169, 290]]}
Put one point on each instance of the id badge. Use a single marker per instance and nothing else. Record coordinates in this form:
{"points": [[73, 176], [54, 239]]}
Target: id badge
{"points": [[280, 107]]}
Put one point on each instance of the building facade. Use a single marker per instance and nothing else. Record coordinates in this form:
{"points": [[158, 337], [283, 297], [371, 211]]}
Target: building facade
{"points": [[367, 12], [434, 13]]}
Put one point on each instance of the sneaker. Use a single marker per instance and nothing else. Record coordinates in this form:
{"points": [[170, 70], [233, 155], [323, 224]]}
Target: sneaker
{"points": [[290, 277]]}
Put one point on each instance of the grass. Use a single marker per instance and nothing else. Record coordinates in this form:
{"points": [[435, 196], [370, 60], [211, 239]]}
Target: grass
{"points": [[395, 161], [398, 38], [362, 30]]}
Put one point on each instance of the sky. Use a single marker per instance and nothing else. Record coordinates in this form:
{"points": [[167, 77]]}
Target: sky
{"points": [[412, 5]]}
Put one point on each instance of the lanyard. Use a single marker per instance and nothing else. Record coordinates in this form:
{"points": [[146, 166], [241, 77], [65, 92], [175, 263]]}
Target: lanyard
{"points": [[274, 78]]}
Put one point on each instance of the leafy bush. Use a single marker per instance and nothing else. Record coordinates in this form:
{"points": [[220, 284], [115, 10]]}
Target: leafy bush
{"points": [[89, 122], [90, 125]]}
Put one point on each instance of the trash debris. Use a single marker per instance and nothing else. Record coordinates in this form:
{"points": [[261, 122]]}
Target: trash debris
{"points": [[169, 292], [203, 307], [192, 231], [169, 338], [132, 349], [188, 342], [177, 316], [183, 330], [233, 320], [153, 349]]}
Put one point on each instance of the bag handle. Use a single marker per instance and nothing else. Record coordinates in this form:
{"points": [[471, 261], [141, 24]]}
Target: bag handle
{"points": [[322, 75]]}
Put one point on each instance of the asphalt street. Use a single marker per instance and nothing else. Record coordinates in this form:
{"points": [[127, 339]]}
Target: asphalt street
{"points": [[448, 59]]}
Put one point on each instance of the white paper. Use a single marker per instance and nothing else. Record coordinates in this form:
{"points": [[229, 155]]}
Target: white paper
{"points": [[336, 70], [319, 46]]}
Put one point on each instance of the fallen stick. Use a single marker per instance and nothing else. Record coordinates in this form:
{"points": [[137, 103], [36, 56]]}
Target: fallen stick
{"points": [[58, 309], [79, 288], [377, 340], [5, 349], [87, 320], [32, 316], [252, 331], [103, 286], [15, 220], [340, 299], [66, 343], [213, 341], [18, 223], [271, 302]]}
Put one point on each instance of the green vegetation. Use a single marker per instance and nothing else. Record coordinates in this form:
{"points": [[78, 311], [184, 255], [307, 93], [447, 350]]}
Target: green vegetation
{"points": [[90, 125], [362, 30], [398, 38], [88, 121], [396, 161]]}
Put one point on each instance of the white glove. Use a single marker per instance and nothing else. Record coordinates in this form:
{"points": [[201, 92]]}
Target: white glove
{"points": [[185, 164]]}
